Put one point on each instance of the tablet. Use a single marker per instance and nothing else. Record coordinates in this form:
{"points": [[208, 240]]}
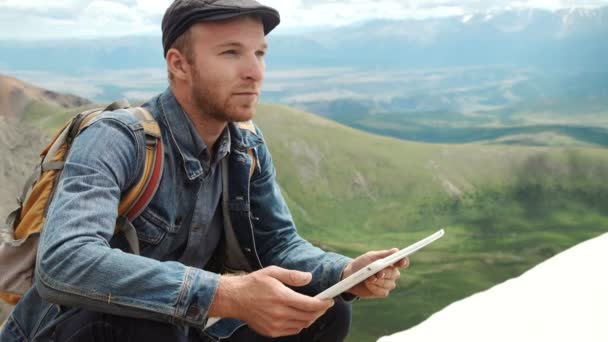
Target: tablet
{"points": [[375, 267]]}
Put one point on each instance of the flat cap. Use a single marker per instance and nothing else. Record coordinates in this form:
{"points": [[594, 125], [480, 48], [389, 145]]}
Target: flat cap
{"points": [[184, 13]]}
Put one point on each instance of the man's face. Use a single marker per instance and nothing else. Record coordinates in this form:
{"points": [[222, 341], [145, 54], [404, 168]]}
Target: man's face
{"points": [[228, 68]]}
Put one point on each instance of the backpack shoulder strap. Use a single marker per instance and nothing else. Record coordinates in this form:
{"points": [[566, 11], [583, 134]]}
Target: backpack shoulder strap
{"points": [[248, 125], [140, 195]]}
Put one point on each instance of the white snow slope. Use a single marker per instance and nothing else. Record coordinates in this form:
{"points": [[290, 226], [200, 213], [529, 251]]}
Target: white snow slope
{"points": [[564, 298]]}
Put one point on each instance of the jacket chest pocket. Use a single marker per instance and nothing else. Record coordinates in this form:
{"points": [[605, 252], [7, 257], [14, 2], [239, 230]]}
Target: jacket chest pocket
{"points": [[154, 231]]}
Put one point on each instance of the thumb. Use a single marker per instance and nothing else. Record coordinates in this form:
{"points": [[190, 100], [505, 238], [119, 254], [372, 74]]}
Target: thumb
{"points": [[289, 277], [377, 255]]}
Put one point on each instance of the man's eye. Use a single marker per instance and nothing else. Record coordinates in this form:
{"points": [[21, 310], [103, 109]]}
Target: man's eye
{"points": [[230, 52], [261, 53]]}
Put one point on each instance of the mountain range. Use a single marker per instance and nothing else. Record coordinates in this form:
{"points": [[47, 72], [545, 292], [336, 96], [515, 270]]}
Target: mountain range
{"points": [[531, 77], [569, 38]]}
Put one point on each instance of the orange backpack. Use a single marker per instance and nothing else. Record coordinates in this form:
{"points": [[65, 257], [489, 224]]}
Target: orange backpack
{"points": [[19, 240]]}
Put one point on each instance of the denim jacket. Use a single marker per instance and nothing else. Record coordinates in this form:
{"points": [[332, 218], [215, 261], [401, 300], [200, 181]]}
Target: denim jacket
{"points": [[81, 262]]}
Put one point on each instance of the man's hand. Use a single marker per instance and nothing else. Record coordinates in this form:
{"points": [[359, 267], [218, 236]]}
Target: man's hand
{"points": [[263, 301], [382, 283]]}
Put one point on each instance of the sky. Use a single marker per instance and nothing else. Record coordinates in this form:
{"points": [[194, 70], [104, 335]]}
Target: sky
{"points": [[64, 19]]}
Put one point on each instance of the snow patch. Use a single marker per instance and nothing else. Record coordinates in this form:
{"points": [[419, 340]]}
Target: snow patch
{"points": [[562, 299]]}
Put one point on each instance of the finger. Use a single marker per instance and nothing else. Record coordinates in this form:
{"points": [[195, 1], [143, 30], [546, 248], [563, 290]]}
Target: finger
{"points": [[289, 277], [377, 255], [301, 320], [299, 324], [304, 316], [383, 283], [372, 279], [279, 331], [377, 291], [392, 273], [388, 282], [282, 318], [403, 263], [289, 332], [305, 303]]}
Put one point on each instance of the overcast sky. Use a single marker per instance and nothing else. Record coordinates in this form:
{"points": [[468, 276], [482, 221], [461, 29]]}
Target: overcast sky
{"points": [[43, 19]]}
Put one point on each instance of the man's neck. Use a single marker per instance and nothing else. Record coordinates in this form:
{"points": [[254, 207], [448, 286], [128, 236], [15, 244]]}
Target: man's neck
{"points": [[207, 127]]}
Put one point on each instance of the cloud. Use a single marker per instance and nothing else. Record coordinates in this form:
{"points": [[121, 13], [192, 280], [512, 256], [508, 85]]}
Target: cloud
{"points": [[28, 19]]}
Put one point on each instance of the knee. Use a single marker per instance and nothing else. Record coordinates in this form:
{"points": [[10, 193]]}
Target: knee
{"points": [[335, 324], [342, 316]]}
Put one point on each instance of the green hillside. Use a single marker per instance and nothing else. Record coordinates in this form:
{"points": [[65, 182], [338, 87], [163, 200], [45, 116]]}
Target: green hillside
{"points": [[505, 208], [456, 128], [50, 117], [568, 120]]}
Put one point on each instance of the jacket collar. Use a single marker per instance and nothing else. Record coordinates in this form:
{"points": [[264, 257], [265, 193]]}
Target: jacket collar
{"points": [[189, 143], [243, 139]]}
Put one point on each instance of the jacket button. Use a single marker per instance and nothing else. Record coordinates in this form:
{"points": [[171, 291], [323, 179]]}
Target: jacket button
{"points": [[248, 250], [193, 311]]}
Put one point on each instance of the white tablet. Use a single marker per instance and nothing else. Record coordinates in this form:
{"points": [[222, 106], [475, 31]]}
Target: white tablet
{"points": [[375, 267]]}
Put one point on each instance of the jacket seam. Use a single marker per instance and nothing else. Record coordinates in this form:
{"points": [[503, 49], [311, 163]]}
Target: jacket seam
{"points": [[182, 294], [67, 289], [13, 321]]}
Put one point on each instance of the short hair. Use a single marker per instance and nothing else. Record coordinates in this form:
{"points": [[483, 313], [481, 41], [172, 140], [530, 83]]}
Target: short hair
{"points": [[184, 45]]}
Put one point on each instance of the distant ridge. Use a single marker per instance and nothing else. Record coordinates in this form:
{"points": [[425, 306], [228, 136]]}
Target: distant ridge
{"points": [[16, 95]]}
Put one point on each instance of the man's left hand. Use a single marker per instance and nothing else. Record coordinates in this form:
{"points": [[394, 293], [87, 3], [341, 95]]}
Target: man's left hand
{"points": [[382, 283]]}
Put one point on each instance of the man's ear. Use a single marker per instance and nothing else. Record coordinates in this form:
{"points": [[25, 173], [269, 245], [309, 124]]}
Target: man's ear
{"points": [[177, 64]]}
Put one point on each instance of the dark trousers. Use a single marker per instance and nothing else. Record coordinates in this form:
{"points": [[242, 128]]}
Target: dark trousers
{"points": [[97, 327]]}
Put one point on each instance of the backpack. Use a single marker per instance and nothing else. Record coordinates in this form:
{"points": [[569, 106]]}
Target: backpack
{"points": [[19, 240]]}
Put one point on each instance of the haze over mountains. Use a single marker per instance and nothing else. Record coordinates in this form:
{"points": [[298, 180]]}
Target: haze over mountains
{"points": [[564, 38], [505, 76]]}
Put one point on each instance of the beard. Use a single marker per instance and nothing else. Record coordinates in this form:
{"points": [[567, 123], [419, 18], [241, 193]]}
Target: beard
{"points": [[208, 101]]}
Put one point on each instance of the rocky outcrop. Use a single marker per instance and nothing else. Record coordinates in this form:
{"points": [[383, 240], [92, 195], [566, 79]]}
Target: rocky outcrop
{"points": [[20, 146]]}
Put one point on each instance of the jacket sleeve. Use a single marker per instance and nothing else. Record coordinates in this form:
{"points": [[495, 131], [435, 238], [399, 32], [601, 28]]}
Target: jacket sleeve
{"points": [[75, 264], [277, 240]]}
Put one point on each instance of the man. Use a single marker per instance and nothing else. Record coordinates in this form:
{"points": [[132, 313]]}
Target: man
{"points": [[210, 215]]}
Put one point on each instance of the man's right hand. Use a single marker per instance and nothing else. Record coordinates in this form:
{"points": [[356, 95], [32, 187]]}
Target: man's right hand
{"points": [[263, 301]]}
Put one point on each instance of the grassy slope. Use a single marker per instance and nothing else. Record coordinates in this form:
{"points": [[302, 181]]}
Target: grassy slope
{"points": [[50, 117], [547, 121], [505, 208], [518, 206]]}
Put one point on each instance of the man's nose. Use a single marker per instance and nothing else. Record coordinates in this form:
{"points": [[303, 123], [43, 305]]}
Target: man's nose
{"points": [[254, 68]]}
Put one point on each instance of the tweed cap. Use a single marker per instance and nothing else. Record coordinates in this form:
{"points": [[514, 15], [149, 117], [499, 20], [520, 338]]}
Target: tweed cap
{"points": [[184, 13]]}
